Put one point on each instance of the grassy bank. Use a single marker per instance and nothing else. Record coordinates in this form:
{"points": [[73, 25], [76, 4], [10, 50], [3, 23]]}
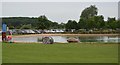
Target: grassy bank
{"points": [[60, 53]]}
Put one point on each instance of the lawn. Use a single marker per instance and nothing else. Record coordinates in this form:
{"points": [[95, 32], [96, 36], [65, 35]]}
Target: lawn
{"points": [[60, 53], [0, 53]]}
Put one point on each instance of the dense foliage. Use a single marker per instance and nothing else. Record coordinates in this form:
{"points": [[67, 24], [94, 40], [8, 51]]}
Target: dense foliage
{"points": [[31, 23]]}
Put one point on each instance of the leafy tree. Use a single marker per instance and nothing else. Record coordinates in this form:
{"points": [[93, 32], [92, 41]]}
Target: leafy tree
{"points": [[118, 24], [43, 22], [71, 25], [28, 26], [36, 22], [11, 27], [82, 24], [87, 18], [91, 23], [89, 12], [99, 22], [18, 22], [112, 23], [54, 25], [62, 25]]}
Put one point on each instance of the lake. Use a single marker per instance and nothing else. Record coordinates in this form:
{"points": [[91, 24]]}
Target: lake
{"points": [[63, 39]]}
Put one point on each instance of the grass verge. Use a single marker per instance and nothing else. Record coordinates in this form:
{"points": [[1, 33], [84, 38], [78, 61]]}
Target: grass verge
{"points": [[60, 53]]}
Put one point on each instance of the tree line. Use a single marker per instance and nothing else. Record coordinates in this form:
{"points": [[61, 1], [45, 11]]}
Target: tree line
{"points": [[89, 19], [40, 22]]}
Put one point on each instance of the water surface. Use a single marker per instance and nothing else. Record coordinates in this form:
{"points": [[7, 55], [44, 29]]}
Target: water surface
{"points": [[63, 39]]}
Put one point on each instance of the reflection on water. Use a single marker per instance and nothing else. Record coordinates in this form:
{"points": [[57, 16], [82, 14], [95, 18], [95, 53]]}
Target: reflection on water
{"points": [[63, 39], [99, 39]]}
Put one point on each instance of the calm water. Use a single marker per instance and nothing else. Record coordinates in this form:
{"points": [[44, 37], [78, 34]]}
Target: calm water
{"points": [[63, 39]]}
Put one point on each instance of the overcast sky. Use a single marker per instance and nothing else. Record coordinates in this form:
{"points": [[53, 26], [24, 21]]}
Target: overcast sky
{"points": [[57, 11], [59, 0]]}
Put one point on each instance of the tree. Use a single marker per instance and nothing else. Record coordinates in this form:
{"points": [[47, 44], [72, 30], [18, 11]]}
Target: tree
{"points": [[91, 23], [112, 23], [43, 22], [28, 26], [11, 27], [71, 24], [18, 22], [118, 24], [99, 22], [40, 22], [54, 25], [82, 24], [62, 25], [89, 12], [87, 18]]}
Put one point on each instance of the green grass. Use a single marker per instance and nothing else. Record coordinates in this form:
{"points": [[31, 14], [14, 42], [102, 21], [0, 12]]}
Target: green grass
{"points": [[0, 53], [60, 53]]}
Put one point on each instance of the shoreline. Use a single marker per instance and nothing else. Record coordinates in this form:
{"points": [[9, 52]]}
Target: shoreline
{"points": [[66, 35]]}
